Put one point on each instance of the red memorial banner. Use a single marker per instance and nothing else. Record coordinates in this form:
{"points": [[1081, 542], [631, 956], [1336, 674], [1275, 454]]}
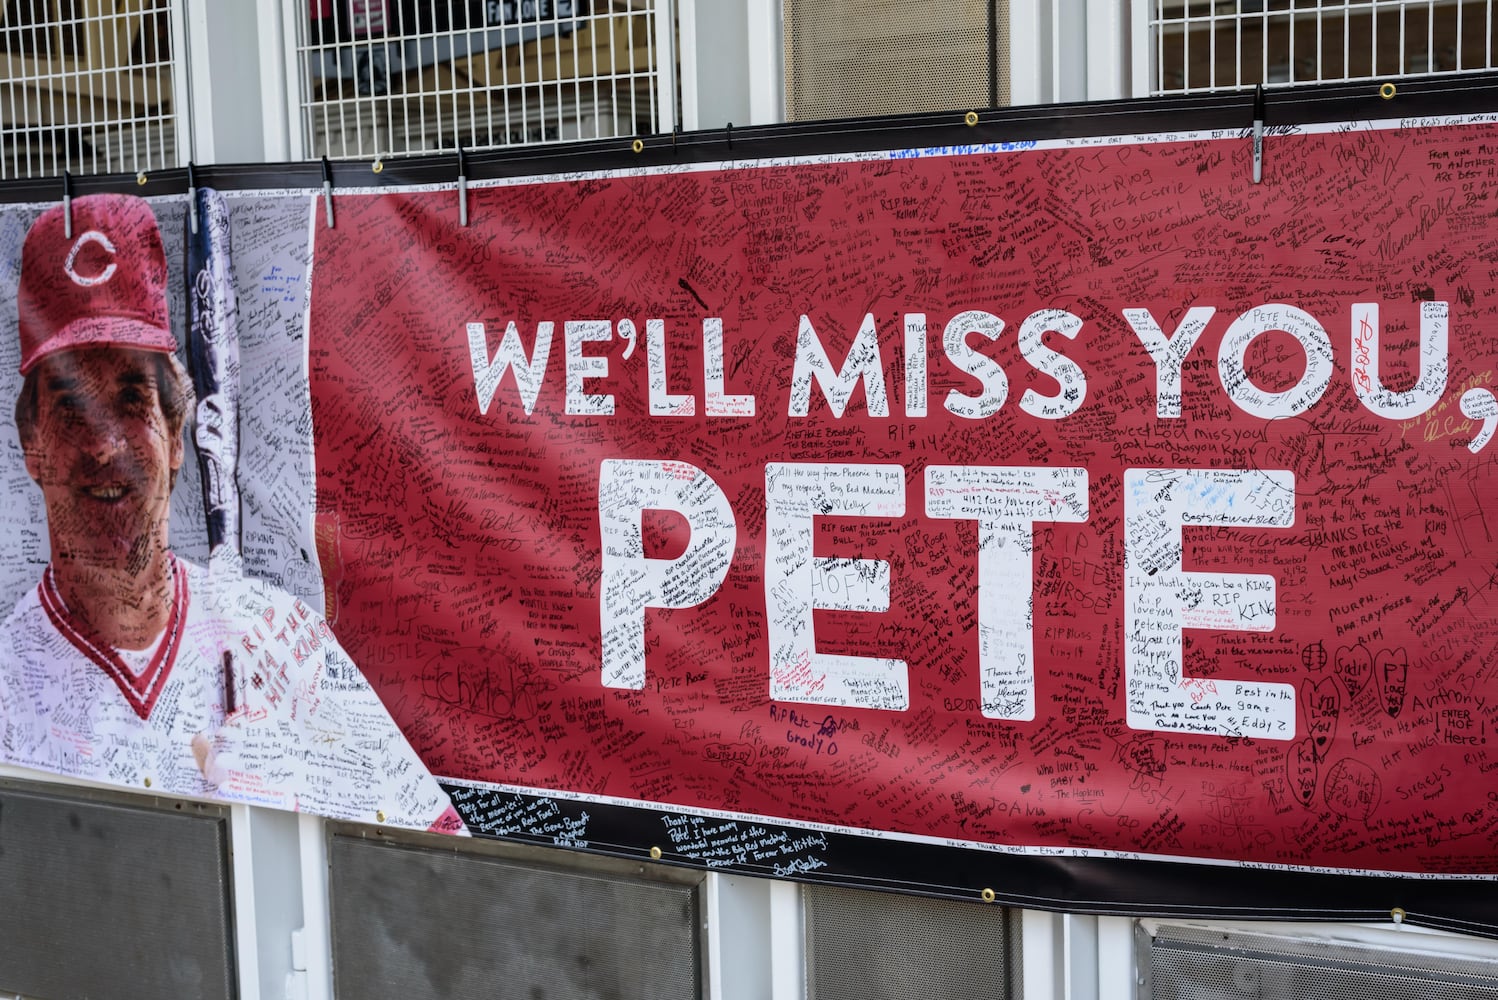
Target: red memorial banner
{"points": [[1071, 497]]}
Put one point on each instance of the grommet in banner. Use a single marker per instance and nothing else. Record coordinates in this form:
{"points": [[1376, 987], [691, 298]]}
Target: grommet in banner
{"points": [[988, 895], [377, 166], [638, 145], [971, 118], [147, 782], [1387, 91], [1397, 915], [380, 816], [140, 178], [655, 854]]}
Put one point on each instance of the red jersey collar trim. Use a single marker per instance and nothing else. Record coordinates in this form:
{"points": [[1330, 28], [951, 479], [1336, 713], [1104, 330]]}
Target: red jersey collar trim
{"points": [[140, 691]]}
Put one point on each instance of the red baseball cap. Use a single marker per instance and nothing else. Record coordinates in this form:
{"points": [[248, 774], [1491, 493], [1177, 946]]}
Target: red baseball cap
{"points": [[105, 286]]}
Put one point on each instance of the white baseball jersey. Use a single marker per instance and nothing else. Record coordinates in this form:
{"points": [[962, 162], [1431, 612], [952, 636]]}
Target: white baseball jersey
{"points": [[241, 665]]}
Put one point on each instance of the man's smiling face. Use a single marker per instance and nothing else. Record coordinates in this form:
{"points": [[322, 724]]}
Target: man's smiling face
{"points": [[104, 454]]}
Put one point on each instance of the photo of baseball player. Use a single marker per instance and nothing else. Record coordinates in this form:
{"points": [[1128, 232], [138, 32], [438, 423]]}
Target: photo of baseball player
{"points": [[127, 664]]}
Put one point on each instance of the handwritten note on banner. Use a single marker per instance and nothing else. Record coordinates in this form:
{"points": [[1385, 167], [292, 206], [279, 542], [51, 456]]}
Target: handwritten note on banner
{"points": [[1083, 497]]}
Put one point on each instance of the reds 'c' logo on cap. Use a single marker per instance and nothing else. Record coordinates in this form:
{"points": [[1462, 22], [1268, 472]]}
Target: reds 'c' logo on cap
{"points": [[70, 266], [106, 288]]}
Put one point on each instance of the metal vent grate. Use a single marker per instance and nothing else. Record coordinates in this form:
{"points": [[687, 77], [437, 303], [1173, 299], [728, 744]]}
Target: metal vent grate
{"points": [[391, 77], [101, 898], [864, 945], [427, 922], [850, 58], [1180, 963], [88, 87], [1204, 45]]}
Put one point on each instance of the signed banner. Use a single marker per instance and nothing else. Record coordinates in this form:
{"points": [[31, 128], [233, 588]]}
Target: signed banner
{"points": [[1075, 497], [123, 660]]}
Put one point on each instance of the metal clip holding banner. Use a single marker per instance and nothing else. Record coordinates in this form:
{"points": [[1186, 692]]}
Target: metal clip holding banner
{"points": [[327, 189], [728, 133], [192, 198], [67, 204], [462, 187], [1259, 134]]}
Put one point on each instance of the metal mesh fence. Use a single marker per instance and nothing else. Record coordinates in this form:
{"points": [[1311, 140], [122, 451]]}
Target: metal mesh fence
{"points": [[1191, 964], [1203, 45], [847, 58], [390, 77], [863, 945], [426, 920], [88, 87]]}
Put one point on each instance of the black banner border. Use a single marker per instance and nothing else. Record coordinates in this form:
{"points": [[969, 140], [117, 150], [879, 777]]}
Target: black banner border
{"points": [[1098, 886]]}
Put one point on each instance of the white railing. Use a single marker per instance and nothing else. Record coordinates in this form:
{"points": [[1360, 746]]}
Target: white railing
{"points": [[379, 78], [89, 88], [1204, 45]]}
